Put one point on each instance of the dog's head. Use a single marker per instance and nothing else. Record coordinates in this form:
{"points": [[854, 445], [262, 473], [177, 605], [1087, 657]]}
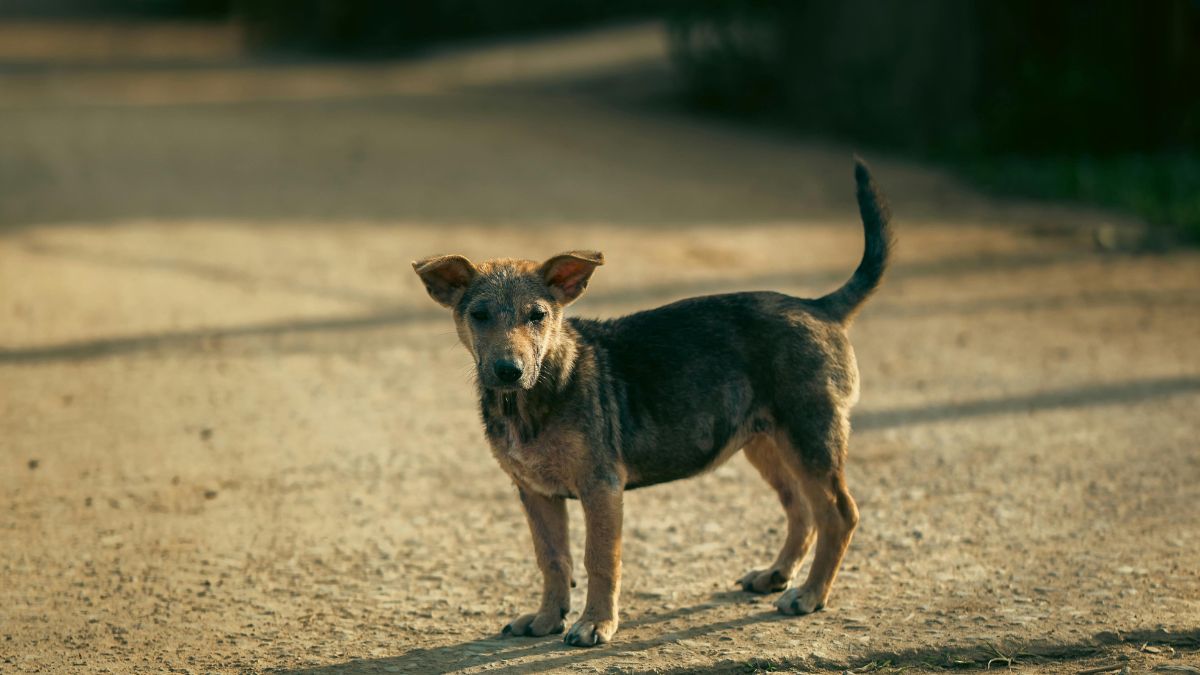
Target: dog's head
{"points": [[509, 313]]}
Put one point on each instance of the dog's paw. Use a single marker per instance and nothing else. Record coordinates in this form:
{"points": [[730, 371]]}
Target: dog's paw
{"points": [[763, 581], [535, 625], [588, 632], [799, 601]]}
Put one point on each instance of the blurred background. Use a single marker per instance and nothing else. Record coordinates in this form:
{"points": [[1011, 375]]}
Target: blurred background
{"points": [[1089, 101], [237, 436]]}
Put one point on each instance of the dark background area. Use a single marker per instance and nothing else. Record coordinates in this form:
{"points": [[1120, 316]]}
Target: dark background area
{"points": [[1091, 100]]}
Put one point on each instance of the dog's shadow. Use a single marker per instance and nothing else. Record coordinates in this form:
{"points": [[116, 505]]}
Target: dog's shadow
{"points": [[535, 655]]}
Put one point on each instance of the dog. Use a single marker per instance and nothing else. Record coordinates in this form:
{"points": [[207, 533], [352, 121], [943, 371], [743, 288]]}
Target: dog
{"points": [[586, 409]]}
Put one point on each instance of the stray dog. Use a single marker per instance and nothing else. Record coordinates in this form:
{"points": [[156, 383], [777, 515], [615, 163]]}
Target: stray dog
{"points": [[586, 409]]}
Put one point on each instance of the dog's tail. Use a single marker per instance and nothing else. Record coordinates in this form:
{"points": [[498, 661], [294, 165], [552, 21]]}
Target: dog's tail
{"points": [[876, 216]]}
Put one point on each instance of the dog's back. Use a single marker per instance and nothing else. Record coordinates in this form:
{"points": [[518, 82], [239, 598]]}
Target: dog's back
{"points": [[693, 381]]}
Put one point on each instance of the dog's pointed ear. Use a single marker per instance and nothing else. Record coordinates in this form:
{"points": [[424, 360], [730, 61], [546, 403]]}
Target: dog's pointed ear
{"points": [[567, 274], [446, 277]]}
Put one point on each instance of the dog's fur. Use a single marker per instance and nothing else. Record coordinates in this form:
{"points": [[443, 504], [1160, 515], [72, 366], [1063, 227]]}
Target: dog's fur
{"points": [[578, 408]]}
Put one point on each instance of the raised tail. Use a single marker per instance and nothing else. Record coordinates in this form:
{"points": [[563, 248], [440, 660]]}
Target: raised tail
{"points": [[876, 216]]}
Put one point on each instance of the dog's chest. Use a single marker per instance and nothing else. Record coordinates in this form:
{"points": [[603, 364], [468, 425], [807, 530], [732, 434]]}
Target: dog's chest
{"points": [[546, 462]]}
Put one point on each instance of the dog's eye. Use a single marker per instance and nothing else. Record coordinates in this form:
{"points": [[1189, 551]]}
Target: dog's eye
{"points": [[479, 314], [536, 314]]}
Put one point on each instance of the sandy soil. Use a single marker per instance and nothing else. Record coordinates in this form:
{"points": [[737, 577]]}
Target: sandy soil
{"points": [[235, 436]]}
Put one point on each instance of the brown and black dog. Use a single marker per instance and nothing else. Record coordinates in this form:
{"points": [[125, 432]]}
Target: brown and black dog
{"points": [[586, 409]]}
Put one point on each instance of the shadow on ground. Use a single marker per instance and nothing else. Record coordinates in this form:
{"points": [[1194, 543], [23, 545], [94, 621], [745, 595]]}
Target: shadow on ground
{"points": [[549, 654], [1130, 391], [243, 337]]}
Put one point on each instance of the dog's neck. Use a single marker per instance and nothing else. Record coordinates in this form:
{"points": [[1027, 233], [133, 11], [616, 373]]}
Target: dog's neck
{"points": [[527, 409]]}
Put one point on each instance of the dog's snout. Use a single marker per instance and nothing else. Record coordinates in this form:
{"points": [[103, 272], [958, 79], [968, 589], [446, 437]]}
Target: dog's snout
{"points": [[507, 371]]}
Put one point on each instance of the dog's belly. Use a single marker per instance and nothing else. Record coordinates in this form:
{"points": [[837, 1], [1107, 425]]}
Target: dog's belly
{"points": [[694, 447], [688, 420]]}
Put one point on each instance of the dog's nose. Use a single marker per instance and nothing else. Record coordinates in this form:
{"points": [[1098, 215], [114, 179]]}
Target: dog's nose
{"points": [[507, 371]]}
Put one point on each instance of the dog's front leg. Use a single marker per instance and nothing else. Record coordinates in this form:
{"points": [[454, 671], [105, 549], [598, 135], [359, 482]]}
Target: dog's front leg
{"points": [[602, 558], [547, 518]]}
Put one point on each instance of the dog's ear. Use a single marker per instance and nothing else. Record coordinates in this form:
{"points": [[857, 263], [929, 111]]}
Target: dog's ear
{"points": [[567, 274], [446, 277]]}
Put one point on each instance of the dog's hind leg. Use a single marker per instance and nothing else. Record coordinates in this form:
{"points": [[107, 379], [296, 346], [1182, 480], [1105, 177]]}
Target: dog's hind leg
{"points": [[764, 455], [836, 517], [814, 447]]}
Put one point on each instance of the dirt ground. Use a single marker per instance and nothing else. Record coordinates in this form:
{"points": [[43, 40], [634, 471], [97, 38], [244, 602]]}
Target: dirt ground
{"points": [[236, 436]]}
